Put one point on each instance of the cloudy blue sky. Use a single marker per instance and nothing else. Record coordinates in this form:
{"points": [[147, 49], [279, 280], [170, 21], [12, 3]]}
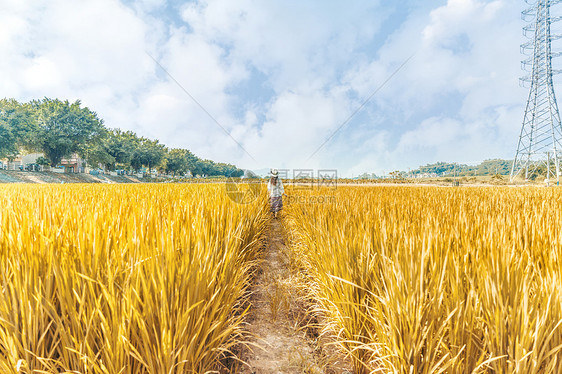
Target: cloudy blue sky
{"points": [[282, 76]]}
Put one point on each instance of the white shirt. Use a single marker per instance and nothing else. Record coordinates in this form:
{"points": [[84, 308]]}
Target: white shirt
{"points": [[277, 190]]}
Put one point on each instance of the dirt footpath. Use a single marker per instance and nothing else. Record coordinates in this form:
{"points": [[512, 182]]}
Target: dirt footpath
{"points": [[276, 321]]}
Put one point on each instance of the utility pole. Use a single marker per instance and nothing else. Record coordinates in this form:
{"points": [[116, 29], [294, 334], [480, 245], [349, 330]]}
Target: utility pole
{"points": [[541, 132]]}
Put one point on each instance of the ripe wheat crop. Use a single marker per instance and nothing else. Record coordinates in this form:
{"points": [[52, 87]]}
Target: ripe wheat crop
{"points": [[123, 279], [436, 280]]}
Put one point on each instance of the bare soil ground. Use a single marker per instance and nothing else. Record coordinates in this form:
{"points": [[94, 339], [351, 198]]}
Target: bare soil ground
{"points": [[282, 340], [10, 176]]}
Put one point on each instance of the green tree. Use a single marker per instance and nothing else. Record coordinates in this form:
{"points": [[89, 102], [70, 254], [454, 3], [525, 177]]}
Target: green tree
{"points": [[149, 153], [180, 161], [495, 166], [42, 161], [65, 128], [206, 167], [7, 141], [17, 124], [121, 145], [115, 148], [227, 170], [60, 128], [211, 168], [98, 155]]}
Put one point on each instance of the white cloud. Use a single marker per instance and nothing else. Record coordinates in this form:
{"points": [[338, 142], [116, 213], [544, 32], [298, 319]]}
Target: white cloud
{"points": [[292, 42], [296, 125], [88, 50], [42, 74], [464, 71], [463, 46]]}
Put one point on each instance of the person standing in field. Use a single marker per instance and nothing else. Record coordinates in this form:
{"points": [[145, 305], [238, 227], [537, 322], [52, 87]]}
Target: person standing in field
{"points": [[276, 191]]}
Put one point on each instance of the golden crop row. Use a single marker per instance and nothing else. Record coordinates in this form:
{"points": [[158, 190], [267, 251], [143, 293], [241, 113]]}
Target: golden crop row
{"points": [[123, 279], [436, 280]]}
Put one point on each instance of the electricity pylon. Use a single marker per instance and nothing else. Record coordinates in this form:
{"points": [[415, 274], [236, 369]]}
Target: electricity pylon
{"points": [[540, 142]]}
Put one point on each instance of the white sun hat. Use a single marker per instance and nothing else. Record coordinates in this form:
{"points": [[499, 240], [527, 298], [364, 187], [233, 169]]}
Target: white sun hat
{"points": [[274, 172]]}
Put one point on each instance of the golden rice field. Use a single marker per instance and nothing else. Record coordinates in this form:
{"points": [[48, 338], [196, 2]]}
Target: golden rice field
{"points": [[435, 280], [123, 278], [155, 278]]}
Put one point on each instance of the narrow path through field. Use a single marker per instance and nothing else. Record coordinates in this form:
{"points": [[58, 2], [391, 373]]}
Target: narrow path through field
{"points": [[281, 345]]}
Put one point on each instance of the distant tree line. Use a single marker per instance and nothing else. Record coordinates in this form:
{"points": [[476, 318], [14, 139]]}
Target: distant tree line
{"points": [[59, 129], [487, 167], [447, 169]]}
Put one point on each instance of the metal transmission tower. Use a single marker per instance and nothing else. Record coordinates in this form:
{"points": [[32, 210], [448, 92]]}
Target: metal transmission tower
{"points": [[540, 142]]}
